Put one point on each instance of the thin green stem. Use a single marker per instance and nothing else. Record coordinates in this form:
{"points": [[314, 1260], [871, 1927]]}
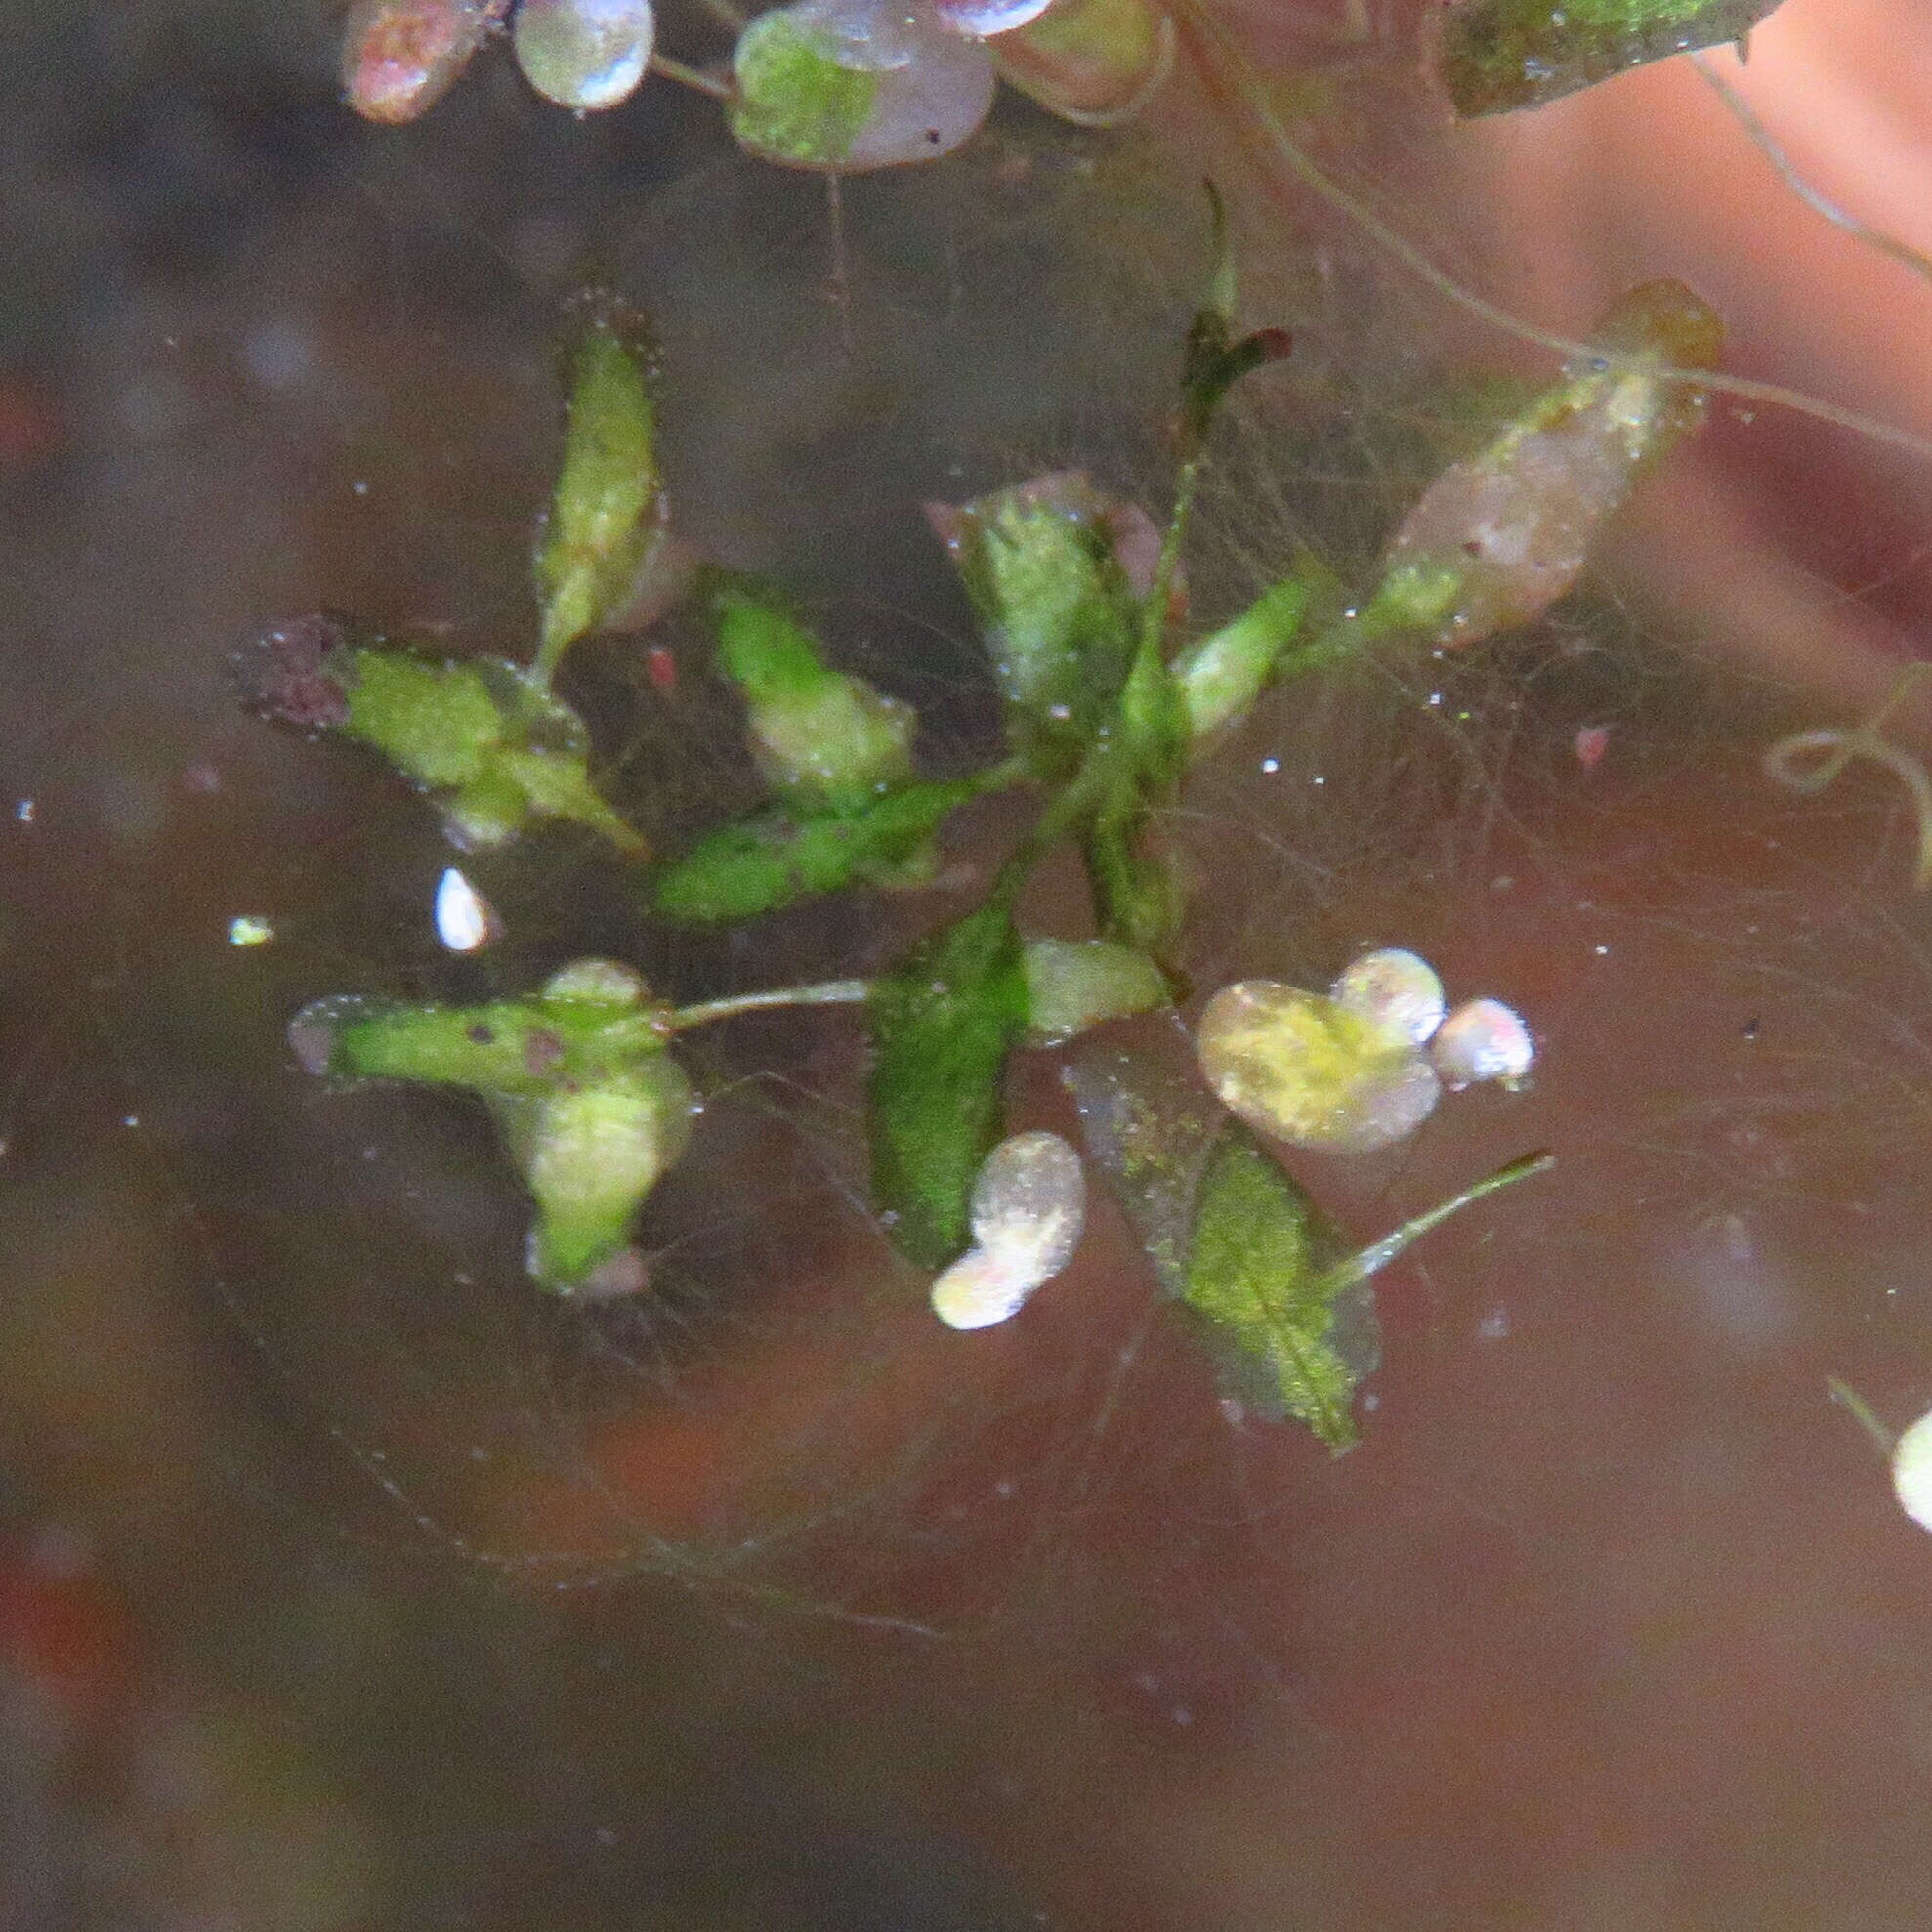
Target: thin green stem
{"points": [[1848, 1397], [715, 85], [826, 992]]}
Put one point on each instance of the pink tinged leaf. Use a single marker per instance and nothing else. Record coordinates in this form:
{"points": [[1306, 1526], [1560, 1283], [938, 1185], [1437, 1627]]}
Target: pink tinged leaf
{"points": [[400, 56]]}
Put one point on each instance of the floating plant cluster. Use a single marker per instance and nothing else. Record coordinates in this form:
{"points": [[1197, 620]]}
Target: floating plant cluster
{"points": [[841, 85], [1109, 694]]}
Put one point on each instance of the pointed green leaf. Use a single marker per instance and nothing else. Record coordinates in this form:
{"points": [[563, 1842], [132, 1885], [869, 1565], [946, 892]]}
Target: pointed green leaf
{"points": [[1059, 614], [780, 856], [1499, 54], [609, 510], [943, 1023], [1255, 1267], [822, 734]]}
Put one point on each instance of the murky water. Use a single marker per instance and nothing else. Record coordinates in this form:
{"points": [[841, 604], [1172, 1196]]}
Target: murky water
{"points": [[343, 1582]]}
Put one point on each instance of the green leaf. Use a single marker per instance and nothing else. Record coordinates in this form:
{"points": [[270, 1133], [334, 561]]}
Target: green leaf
{"points": [[1255, 1275], [943, 1023], [589, 1155], [609, 512], [782, 855], [1230, 1233], [592, 1108], [1072, 984], [1060, 618], [1278, 1293], [1499, 536], [1499, 54], [436, 724], [794, 102], [824, 735], [570, 1032], [492, 744], [1225, 672]]}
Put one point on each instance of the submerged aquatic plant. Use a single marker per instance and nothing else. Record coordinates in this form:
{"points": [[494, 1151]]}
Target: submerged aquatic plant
{"points": [[839, 85], [1080, 599]]}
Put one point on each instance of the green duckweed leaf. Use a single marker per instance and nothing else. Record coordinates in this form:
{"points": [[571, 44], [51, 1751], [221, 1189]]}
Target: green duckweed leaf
{"points": [[1056, 604], [1500, 55], [943, 1023], [822, 735], [590, 1105], [780, 855], [795, 103], [609, 513], [486, 738]]}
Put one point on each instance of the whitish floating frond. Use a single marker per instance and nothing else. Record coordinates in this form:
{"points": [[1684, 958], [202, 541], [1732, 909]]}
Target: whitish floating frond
{"points": [[1483, 1040], [584, 54], [1029, 1208], [1396, 989]]}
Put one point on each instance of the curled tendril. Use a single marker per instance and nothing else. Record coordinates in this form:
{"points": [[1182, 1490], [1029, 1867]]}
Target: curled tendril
{"points": [[1840, 745]]}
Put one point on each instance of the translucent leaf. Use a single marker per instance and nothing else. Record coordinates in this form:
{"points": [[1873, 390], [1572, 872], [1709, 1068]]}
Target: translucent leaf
{"points": [[1311, 1072], [1027, 1210], [1394, 988], [855, 84], [1483, 1040], [943, 1023], [1230, 1233], [1499, 54], [608, 510], [821, 734], [1095, 63], [1042, 564], [1029, 1203], [1072, 984], [780, 856], [988, 17], [400, 56], [585, 54], [1497, 538]]}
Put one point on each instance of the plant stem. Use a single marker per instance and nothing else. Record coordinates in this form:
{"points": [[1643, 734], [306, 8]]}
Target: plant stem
{"points": [[826, 992], [712, 84]]}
